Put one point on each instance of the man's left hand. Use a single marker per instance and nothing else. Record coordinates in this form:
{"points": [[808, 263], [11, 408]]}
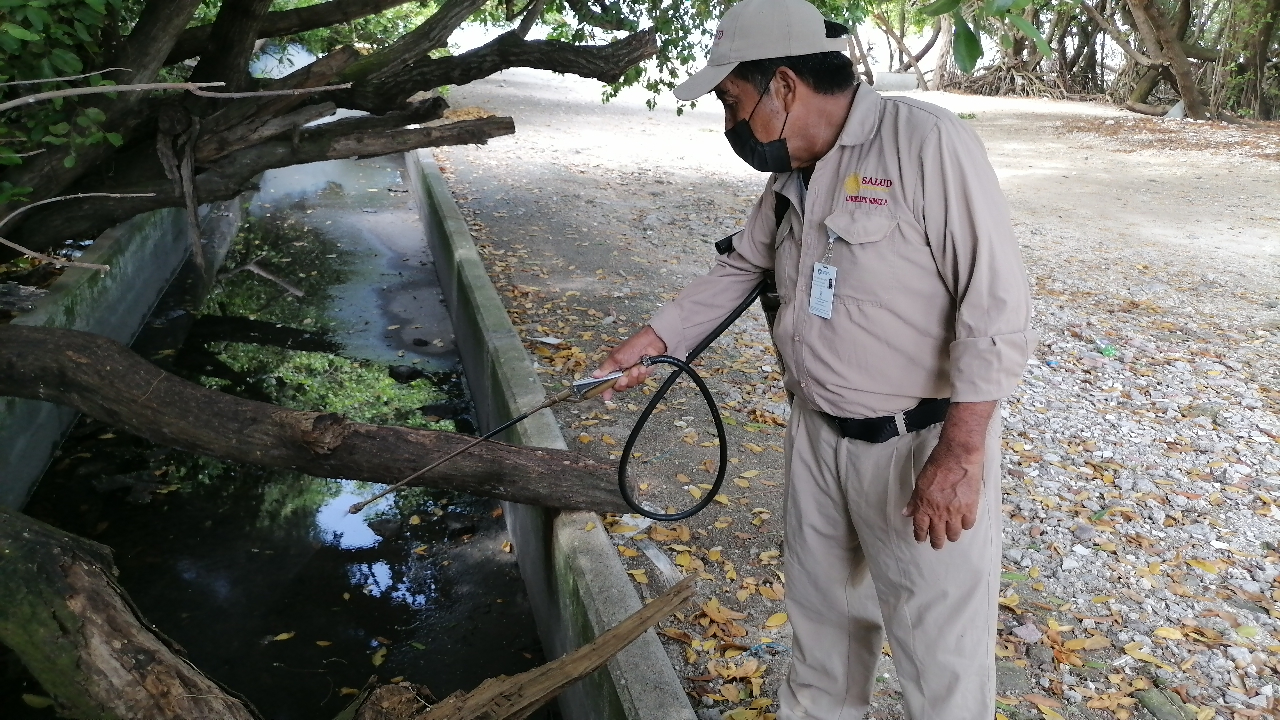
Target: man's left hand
{"points": [[949, 489]]}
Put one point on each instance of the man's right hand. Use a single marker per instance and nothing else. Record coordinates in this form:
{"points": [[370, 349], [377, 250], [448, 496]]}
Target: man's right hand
{"points": [[628, 355]]}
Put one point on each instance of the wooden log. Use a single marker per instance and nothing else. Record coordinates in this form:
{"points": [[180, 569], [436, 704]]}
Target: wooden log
{"points": [[78, 633], [515, 698], [106, 381]]}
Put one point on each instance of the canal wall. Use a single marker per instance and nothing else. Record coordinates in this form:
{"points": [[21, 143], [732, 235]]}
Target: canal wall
{"points": [[144, 253], [575, 580]]}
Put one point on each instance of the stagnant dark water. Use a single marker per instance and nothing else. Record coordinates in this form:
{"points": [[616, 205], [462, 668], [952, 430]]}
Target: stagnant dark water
{"points": [[261, 575]]}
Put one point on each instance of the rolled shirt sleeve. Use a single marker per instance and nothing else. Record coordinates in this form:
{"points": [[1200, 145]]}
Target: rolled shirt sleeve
{"points": [[685, 321], [971, 237]]}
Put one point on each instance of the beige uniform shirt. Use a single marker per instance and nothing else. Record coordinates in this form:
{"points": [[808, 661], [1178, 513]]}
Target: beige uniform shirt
{"points": [[931, 298]]}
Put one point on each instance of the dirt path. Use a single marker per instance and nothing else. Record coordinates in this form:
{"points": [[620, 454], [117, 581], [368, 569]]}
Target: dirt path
{"points": [[1140, 540]]}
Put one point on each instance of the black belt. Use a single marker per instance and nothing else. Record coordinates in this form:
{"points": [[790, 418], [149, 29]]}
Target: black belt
{"points": [[929, 411]]}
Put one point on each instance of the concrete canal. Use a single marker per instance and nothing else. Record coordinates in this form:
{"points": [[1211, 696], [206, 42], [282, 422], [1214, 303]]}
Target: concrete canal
{"points": [[328, 300]]}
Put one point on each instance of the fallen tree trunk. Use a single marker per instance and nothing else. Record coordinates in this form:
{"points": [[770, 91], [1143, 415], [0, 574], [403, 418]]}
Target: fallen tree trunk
{"points": [[78, 633], [514, 698], [106, 381]]}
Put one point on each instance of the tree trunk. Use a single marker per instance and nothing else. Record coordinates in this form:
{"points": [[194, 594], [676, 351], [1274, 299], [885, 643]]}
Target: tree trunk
{"points": [[1259, 56], [1160, 35], [232, 38], [78, 633], [106, 381], [862, 55]]}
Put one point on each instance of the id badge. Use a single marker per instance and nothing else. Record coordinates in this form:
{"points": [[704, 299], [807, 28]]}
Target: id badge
{"points": [[822, 291]]}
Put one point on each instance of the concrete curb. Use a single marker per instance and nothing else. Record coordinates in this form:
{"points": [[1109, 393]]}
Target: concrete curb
{"points": [[576, 582], [145, 253]]}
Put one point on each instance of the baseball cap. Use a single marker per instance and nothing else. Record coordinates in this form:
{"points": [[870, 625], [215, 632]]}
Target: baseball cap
{"points": [[759, 30]]}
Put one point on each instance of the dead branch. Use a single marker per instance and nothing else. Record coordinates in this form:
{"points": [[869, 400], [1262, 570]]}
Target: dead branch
{"points": [[67, 78], [193, 88], [514, 698], [108, 382], [59, 262], [416, 44], [226, 178]]}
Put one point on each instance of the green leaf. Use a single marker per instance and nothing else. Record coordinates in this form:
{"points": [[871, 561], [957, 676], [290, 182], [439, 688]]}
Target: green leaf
{"points": [[20, 32], [1032, 32], [996, 7], [66, 60], [1019, 5], [95, 114], [59, 129], [1014, 577], [70, 161], [115, 139], [966, 46], [940, 7]]}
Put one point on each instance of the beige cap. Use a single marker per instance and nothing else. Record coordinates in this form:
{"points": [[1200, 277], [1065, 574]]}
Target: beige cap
{"points": [[759, 30]]}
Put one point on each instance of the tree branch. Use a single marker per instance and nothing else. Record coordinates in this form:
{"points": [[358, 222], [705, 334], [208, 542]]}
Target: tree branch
{"points": [[224, 179], [433, 33], [108, 382], [195, 41], [902, 47], [158, 28], [605, 63], [1118, 36], [193, 88]]}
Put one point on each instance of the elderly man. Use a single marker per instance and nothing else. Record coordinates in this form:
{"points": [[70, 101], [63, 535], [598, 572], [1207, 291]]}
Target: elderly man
{"points": [[904, 319]]}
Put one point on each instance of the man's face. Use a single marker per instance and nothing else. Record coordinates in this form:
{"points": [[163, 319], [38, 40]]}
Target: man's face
{"points": [[739, 98]]}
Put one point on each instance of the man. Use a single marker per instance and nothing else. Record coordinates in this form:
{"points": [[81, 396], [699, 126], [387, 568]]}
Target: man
{"points": [[901, 287]]}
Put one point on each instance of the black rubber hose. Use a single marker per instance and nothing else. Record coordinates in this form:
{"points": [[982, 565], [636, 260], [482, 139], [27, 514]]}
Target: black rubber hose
{"points": [[684, 366]]}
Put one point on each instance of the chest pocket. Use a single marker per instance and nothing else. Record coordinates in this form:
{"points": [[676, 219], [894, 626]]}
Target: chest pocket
{"points": [[865, 252]]}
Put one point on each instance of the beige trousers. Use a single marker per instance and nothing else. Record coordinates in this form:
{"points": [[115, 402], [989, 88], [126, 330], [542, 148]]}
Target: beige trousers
{"points": [[854, 571]]}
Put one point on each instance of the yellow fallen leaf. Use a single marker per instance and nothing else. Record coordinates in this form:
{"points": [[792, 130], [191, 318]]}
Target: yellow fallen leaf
{"points": [[1033, 572], [753, 447], [590, 526], [1135, 651], [1102, 599], [584, 438], [722, 499], [639, 576], [507, 546], [414, 520], [608, 440], [323, 643], [379, 656], [1051, 714], [683, 559], [696, 493], [741, 483], [714, 554], [750, 473], [1247, 631], [1009, 602], [627, 552], [620, 528], [1204, 565], [1168, 633], [421, 550], [776, 620], [284, 636], [730, 692]]}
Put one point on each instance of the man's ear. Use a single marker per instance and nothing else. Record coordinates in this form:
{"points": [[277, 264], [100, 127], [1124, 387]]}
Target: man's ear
{"points": [[786, 87]]}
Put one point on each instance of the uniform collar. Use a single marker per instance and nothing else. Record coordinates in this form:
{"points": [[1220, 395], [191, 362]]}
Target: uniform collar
{"points": [[861, 124], [859, 127]]}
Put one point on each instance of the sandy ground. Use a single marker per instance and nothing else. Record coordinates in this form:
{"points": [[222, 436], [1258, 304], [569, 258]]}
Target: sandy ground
{"points": [[1140, 544]]}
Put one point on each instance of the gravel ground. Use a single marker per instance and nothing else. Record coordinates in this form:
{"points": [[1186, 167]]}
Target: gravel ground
{"points": [[1141, 461]]}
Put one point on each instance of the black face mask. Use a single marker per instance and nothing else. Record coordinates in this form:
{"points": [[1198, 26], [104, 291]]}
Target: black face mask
{"points": [[763, 156]]}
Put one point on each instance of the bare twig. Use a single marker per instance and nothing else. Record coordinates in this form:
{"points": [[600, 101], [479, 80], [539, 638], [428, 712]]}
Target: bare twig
{"points": [[56, 261], [49, 259], [193, 88], [531, 15], [61, 79], [253, 267], [46, 201]]}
